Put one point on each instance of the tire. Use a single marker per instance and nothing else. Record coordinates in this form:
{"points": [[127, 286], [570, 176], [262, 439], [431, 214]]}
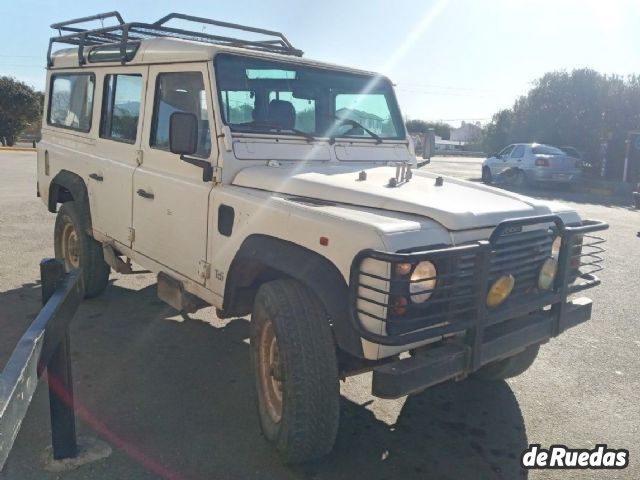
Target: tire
{"points": [[293, 352], [486, 175], [637, 201], [519, 179], [509, 367], [77, 249]]}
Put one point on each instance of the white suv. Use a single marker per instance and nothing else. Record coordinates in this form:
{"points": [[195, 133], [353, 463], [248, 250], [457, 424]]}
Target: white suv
{"points": [[254, 180]]}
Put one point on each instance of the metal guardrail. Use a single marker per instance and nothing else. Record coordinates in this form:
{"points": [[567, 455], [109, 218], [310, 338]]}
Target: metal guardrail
{"points": [[44, 346]]}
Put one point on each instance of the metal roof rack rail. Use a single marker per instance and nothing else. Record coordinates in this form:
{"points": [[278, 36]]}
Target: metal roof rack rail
{"points": [[125, 37]]}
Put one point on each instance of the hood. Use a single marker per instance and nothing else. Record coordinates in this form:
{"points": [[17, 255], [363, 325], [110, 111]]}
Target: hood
{"points": [[456, 204]]}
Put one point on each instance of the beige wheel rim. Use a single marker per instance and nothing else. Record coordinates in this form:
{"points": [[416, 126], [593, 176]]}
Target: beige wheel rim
{"points": [[270, 372], [70, 247]]}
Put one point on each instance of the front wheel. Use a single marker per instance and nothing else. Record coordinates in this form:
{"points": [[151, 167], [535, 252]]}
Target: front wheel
{"points": [[296, 371], [77, 249], [486, 176], [509, 367]]}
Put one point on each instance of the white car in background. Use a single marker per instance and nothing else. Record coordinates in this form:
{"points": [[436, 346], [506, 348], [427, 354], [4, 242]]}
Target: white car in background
{"points": [[531, 162]]}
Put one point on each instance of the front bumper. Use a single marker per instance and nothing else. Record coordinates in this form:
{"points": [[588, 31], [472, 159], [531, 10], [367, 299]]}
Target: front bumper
{"points": [[452, 360], [457, 308]]}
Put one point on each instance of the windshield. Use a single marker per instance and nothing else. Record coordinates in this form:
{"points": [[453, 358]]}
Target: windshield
{"points": [[546, 150], [263, 96]]}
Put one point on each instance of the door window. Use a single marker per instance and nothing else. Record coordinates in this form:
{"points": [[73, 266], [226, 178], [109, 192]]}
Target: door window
{"points": [[180, 92], [121, 107], [518, 152], [505, 151]]}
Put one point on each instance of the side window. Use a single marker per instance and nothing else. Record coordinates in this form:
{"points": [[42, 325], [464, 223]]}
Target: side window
{"points": [[180, 92], [518, 152], [505, 151], [71, 101], [121, 107]]}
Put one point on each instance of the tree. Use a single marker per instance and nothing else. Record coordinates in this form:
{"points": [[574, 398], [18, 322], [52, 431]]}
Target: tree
{"points": [[443, 130], [579, 108], [20, 106]]}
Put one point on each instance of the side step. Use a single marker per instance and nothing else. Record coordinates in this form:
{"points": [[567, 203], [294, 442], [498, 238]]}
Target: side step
{"points": [[172, 292]]}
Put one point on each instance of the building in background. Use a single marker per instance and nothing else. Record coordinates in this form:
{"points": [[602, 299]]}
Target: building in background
{"points": [[467, 132]]}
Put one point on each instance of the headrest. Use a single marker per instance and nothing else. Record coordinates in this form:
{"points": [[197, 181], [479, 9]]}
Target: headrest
{"points": [[282, 112]]}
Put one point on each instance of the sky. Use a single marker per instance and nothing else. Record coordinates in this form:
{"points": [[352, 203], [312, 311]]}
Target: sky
{"points": [[451, 60]]}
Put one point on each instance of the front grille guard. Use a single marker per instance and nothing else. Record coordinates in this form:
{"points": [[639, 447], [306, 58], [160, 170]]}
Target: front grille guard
{"points": [[458, 301]]}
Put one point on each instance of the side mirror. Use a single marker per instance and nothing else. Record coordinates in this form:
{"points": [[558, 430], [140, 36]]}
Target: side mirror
{"points": [[183, 133], [429, 147]]}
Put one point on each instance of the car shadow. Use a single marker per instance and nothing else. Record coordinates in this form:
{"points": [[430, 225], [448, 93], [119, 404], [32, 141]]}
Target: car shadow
{"points": [[173, 395]]}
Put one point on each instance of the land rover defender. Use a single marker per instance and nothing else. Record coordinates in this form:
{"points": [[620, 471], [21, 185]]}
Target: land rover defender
{"points": [[249, 178]]}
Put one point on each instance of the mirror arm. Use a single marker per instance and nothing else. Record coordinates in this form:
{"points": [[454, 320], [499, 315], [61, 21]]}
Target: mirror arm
{"points": [[207, 168]]}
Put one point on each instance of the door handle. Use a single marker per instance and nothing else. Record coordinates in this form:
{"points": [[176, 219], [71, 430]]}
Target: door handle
{"points": [[145, 194], [97, 177]]}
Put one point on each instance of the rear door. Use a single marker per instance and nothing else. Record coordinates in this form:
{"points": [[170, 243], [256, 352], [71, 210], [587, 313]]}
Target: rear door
{"points": [[170, 199], [122, 94]]}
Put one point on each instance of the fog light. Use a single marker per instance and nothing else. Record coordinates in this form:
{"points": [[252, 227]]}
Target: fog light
{"points": [[500, 290], [547, 274]]}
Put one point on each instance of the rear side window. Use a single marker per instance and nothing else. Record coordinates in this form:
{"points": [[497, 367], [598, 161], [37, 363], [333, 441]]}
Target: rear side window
{"points": [[71, 101], [180, 92], [121, 107]]}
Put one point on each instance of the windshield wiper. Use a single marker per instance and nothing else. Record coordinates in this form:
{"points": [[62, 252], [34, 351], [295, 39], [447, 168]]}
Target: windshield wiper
{"points": [[280, 127], [357, 124]]}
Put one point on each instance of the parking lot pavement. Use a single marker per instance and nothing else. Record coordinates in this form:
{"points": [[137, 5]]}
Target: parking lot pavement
{"points": [[469, 168], [173, 394]]}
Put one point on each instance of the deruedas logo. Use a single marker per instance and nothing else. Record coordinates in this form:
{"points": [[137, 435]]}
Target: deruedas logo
{"points": [[561, 456]]}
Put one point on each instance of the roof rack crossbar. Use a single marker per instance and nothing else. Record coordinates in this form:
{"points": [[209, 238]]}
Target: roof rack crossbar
{"points": [[100, 16], [125, 34]]}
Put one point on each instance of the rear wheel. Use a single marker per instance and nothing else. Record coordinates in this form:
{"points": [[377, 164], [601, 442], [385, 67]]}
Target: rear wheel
{"points": [[486, 175], [77, 249], [296, 371], [519, 178], [509, 367]]}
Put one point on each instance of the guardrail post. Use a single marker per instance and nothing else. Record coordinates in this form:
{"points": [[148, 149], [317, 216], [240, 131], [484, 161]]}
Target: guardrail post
{"points": [[59, 379]]}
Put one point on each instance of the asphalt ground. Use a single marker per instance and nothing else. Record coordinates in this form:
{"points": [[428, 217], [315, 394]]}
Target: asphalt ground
{"points": [[173, 395]]}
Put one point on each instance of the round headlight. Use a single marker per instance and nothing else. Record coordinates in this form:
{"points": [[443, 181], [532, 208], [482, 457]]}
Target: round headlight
{"points": [[547, 274], [555, 247], [423, 281]]}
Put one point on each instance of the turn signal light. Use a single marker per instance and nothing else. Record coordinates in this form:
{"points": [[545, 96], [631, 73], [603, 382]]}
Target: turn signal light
{"points": [[399, 305]]}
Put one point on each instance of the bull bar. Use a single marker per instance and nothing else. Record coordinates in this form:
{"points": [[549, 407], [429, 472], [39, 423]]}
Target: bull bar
{"points": [[458, 310]]}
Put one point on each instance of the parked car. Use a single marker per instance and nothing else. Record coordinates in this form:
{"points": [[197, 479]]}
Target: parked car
{"points": [[531, 162], [208, 163]]}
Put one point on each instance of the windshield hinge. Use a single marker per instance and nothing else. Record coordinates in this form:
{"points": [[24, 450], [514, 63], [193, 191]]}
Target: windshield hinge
{"points": [[217, 175], [139, 156], [132, 235]]}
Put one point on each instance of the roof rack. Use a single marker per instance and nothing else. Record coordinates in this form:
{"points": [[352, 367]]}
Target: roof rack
{"points": [[127, 36]]}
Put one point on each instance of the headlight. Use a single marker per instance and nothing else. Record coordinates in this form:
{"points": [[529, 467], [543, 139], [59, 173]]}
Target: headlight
{"points": [[423, 278], [555, 247], [547, 274]]}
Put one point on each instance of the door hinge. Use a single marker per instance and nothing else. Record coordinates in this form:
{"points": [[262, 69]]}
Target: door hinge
{"points": [[132, 235], [204, 269], [139, 157]]}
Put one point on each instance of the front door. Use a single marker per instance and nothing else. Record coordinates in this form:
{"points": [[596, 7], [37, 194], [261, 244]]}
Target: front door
{"points": [[170, 199]]}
